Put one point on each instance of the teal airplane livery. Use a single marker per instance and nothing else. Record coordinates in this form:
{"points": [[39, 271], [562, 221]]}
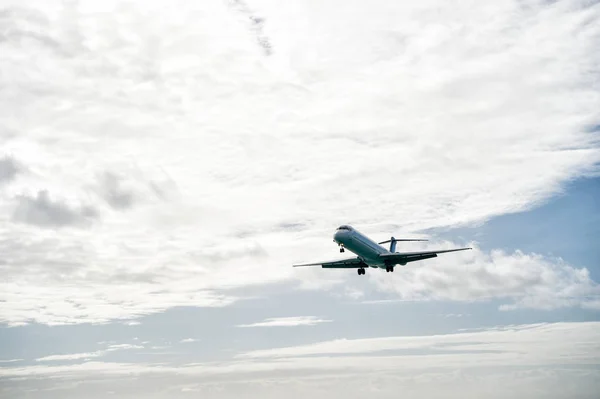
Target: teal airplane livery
{"points": [[372, 254]]}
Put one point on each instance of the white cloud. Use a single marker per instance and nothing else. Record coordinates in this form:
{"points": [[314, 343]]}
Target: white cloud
{"points": [[525, 355], [459, 315], [70, 356], [226, 165], [528, 280], [549, 344], [527, 382], [287, 322], [188, 340], [505, 340], [88, 355], [119, 347]]}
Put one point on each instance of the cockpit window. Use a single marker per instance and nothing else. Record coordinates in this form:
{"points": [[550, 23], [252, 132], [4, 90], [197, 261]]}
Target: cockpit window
{"points": [[344, 228]]}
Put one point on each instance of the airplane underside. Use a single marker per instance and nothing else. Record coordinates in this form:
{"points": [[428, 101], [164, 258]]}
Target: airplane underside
{"points": [[388, 268], [375, 263]]}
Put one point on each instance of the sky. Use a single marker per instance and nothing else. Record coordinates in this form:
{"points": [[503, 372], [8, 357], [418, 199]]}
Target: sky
{"points": [[163, 164]]}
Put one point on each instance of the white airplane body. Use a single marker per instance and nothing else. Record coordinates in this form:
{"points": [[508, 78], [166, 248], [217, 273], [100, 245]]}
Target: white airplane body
{"points": [[372, 254]]}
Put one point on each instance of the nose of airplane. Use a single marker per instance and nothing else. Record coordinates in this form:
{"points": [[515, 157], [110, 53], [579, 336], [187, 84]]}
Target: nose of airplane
{"points": [[338, 235]]}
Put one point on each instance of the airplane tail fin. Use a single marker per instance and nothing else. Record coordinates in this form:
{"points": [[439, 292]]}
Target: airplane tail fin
{"points": [[393, 242]]}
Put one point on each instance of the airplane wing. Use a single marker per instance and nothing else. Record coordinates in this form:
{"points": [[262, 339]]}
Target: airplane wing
{"points": [[351, 263], [405, 257]]}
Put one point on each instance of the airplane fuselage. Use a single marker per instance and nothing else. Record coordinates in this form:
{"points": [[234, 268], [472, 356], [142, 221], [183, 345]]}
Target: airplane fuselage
{"points": [[365, 248]]}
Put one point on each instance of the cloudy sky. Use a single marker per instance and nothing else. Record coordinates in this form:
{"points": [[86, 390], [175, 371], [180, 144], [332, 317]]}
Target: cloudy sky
{"points": [[164, 163]]}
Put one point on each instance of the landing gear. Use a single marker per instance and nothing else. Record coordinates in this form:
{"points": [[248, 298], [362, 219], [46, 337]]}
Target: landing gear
{"points": [[389, 269], [361, 271], [342, 249]]}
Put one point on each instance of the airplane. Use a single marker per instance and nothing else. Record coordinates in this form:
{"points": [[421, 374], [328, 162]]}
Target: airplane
{"points": [[372, 254]]}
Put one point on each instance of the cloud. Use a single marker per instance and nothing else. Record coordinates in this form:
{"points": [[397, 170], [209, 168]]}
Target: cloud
{"points": [[71, 356], [518, 280], [187, 340], [528, 280], [525, 355], [506, 339], [592, 304], [99, 303], [9, 168], [116, 196], [384, 114], [255, 22], [117, 347], [527, 382], [130, 187], [287, 322], [44, 212], [88, 355]]}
